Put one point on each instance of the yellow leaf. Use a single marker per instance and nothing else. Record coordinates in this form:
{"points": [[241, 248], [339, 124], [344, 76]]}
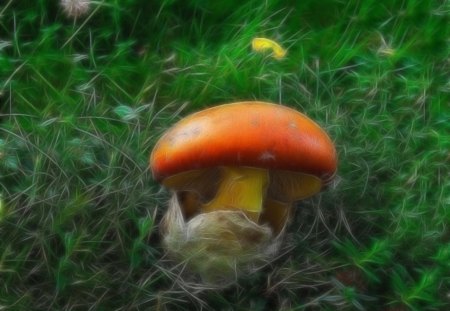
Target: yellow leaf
{"points": [[263, 44]]}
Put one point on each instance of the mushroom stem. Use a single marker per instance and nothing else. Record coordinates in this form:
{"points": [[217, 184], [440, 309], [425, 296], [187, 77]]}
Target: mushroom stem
{"points": [[241, 188], [276, 214]]}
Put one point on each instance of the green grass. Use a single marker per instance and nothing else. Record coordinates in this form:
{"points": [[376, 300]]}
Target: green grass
{"points": [[83, 101]]}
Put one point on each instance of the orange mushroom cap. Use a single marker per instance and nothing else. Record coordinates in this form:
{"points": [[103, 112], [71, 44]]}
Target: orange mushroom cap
{"points": [[253, 133]]}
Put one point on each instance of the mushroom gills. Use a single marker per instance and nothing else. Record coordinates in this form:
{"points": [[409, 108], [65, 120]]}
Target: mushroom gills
{"points": [[194, 188], [286, 186], [264, 196]]}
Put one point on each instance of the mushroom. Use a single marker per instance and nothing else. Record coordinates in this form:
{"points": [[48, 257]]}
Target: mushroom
{"points": [[235, 171]]}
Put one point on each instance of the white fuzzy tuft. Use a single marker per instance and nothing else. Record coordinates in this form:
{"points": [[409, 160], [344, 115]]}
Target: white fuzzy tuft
{"points": [[75, 8], [218, 246]]}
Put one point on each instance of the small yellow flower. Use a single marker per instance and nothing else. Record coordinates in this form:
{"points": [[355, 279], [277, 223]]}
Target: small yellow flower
{"points": [[263, 44]]}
